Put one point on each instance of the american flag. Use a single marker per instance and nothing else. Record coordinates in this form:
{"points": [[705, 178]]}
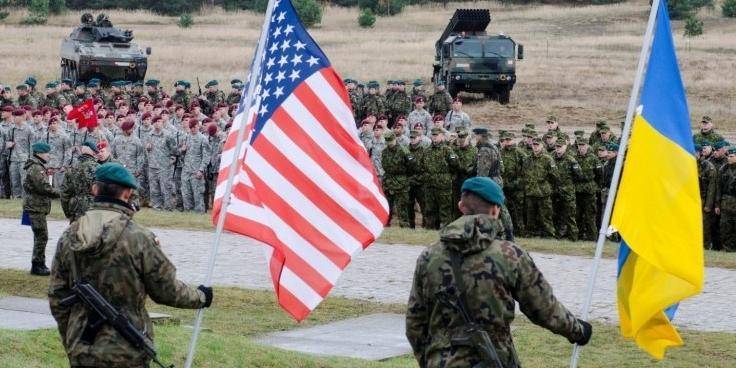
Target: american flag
{"points": [[304, 183]]}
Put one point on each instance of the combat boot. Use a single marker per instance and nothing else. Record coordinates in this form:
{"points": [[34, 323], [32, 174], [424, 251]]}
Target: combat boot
{"points": [[39, 269]]}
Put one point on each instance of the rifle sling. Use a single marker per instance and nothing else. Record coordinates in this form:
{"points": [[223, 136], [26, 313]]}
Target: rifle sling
{"points": [[457, 275]]}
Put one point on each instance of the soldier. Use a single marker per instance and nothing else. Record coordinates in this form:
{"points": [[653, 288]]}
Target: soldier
{"points": [[143, 132], [707, 132], [418, 90], [37, 204], [65, 89], [513, 170], [726, 202], [563, 195], [373, 103], [718, 158], [606, 136], [550, 139], [389, 93], [417, 177], [152, 91], [76, 190], [401, 103], [466, 156], [399, 129], [6, 124], [607, 154], [6, 96], [397, 164], [375, 148], [125, 264], [128, 150], [356, 102], [60, 145], [489, 161], [195, 157], [708, 180], [31, 83], [212, 97], [595, 136], [420, 116], [236, 90], [438, 161], [53, 98], [553, 126], [160, 146], [18, 140], [456, 117], [216, 141], [585, 190], [25, 98], [181, 96], [180, 136], [539, 176], [470, 267], [440, 101]]}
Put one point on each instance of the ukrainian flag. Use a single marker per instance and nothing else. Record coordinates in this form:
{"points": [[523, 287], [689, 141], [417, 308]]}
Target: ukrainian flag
{"points": [[657, 208]]}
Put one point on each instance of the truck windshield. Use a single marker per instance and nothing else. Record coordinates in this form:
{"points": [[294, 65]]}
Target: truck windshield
{"points": [[468, 48], [499, 48]]}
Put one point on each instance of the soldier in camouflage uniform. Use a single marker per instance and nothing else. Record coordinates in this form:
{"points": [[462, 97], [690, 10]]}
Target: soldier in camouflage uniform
{"points": [[125, 264], [181, 96], [398, 164], [420, 116], [720, 153], [469, 265], [180, 136], [554, 127], [438, 161], [76, 190], [539, 176], [418, 90], [488, 162], [6, 122], [440, 102], [707, 132], [356, 101], [128, 150], [375, 148], [195, 157], [513, 170], [466, 156], [400, 104], [18, 140], [216, 141], [586, 189], [456, 117], [66, 91], [60, 145], [6, 96], [595, 136], [212, 97], [726, 202], [25, 98], [37, 204], [708, 180], [236, 91], [160, 146], [373, 102], [154, 95], [563, 195], [417, 177]]}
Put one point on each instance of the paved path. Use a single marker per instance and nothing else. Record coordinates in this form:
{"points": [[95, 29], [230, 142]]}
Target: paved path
{"points": [[383, 273]]}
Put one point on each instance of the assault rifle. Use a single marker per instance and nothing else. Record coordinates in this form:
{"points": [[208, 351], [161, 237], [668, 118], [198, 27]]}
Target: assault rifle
{"points": [[102, 312]]}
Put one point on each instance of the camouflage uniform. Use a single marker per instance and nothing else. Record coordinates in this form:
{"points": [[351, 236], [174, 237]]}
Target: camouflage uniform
{"points": [[143, 132], [397, 164], [465, 169], [213, 99], [124, 262], [400, 105], [4, 172], [195, 160], [356, 103], [213, 168], [375, 149], [513, 186], [28, 100], [160, 146], [37, 203], [60, 145], [76, 191], [180, 137], [457, 119], [233, 98], [373, 104], [439, 103], [563, 196], [22, 135], [711, 136], [181, 98], [540, 173], [726, 201], [437, 162], [129, 152], [585, 196], [495, 273], [489, 162], [708, 180], [54, 100], [420, 117], [416, 184]]}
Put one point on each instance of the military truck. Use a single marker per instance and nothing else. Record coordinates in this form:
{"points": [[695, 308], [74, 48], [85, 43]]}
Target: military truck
{"points": [[468, 59], [96, 49]]}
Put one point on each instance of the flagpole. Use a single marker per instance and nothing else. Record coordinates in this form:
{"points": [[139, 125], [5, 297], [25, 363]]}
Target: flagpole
{"points": [[254, 75], [606, 220]]}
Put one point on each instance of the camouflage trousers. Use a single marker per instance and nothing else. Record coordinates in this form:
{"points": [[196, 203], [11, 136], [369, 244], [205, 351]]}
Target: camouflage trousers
{"points": [[177, 202], [585, 212], [398, 203], [40, 236], [192, 192], [728, 231], [57, 179], [438, 202], [4, 179], [515, 206], [564, 215], [716, 240], [160, 188], [17, 177], [416, 198], [143, 186], [539, 217]]}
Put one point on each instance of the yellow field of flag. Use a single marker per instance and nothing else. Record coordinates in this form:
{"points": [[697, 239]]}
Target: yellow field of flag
{"points": [[657, 209]]}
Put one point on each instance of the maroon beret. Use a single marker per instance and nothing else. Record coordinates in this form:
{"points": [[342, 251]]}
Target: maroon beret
{"points": [[127, 125], [212, 129], [145, 115], [193, 123], [19, 112], [438, 117], [8, 108]]}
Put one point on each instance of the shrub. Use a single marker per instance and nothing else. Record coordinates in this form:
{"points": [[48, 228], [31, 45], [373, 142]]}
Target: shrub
{"points": [[185, 21], [366, 19], [309, 11], [172, 7], [345, 3], [693, 27], [728, 8], [38, 13], [683, 9], [57, 6], [383, 7]]}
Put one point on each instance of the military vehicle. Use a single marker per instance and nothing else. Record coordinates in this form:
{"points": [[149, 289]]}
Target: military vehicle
{"points": [[96, 49], [468, 59]]}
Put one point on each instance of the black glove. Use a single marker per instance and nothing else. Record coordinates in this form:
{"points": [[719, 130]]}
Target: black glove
{"points": [[207, 295], [587, 333]]}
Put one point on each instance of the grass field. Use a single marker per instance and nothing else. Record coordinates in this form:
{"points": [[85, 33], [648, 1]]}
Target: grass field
{"points": [[238, 315], [579, 64], [391, 235]]}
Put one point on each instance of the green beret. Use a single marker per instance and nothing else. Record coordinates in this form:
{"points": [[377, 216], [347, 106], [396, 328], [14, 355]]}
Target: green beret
{"points": [[67, 81], [360, 85], [41, 147], [211, 83], [127, 83], [720, 144], [418, 82], [30, 81], [390, 82], [21, 87], [79, 84], [401, 82], [732, 151], [187, 85], [152, 82], [480, 130], [706, 119], [93, 83], [237, 85], [51, 85], [485, 188], [91, 144], [373, 84], [389, 136], [115, 173], [706, 143], [179, 83], [612, 147], [698, 147], [138, 84], [116, 84]]}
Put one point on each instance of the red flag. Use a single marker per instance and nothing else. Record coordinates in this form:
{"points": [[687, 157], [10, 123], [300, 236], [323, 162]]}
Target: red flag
{"points": [[84, 114]]}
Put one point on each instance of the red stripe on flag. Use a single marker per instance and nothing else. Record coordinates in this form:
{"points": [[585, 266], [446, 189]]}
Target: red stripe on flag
{"points": [[298, 223], [292, 305], [333, 79]]}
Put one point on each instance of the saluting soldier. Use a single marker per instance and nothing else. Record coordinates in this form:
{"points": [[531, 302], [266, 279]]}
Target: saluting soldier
{"points": [[397, 163], [469, 266], [76, 190], [125, 264], [37, 204]]}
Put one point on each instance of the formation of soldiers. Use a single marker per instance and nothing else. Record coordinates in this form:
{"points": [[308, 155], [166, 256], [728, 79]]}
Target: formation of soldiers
{"points": [[170, 142]]}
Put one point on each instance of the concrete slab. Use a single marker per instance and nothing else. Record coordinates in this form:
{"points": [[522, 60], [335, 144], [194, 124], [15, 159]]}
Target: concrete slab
{"points": [[21, 304], [371, 337]]}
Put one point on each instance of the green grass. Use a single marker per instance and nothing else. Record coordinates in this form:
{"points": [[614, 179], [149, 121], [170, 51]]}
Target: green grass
{"points": [[238, 315], [391, 235]]}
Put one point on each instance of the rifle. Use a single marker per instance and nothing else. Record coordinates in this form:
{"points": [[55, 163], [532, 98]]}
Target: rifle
{"points": [[199, 87], [176, 157], [101, 312]]}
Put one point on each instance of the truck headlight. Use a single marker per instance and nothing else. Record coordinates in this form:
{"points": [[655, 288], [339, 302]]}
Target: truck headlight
{"points": [[457, 77], [462, 65], [510, 62]]}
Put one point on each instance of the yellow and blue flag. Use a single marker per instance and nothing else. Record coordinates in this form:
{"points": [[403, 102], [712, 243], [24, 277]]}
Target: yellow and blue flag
{"points": [[657, 209]]}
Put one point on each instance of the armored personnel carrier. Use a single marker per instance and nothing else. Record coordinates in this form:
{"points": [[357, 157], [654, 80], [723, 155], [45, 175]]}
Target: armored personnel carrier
{"points": [[468, 59], [96, 49]]}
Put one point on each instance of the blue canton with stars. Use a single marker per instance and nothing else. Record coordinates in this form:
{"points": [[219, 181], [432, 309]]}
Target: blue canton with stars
{"points": [[290, 56]]}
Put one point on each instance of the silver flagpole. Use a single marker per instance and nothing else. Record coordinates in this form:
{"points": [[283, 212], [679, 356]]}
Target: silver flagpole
{"points": [[254, 76], [605, 222]]}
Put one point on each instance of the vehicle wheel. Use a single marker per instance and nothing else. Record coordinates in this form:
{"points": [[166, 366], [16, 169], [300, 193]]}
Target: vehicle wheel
{"points": [[504, 95]]}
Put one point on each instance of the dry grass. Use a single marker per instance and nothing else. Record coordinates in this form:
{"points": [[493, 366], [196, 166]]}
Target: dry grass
{"points": [[579, 60]]}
